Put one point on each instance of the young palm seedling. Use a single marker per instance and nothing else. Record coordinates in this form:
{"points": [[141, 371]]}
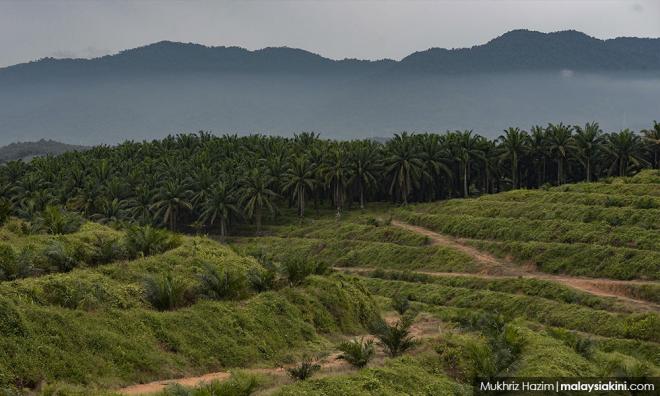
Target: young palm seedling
{"points": [[396, 339], [357, 352], [304, 369]]}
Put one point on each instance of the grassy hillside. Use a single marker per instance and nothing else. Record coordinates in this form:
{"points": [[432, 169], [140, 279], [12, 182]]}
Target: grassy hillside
{"points": [[100, 326]]}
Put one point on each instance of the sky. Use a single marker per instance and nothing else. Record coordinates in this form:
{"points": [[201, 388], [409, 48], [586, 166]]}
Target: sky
{"points": [[365, 29]]}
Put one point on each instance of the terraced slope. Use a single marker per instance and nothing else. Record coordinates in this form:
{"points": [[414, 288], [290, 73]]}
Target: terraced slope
{"points": [[552, 327], [601, 230]]}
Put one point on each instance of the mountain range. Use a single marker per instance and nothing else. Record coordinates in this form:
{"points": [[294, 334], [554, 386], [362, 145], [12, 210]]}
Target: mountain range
{"points": [[519, 78]]}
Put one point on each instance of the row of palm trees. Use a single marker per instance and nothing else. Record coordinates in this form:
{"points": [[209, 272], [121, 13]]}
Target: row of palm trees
{"points": [[203, 180]]}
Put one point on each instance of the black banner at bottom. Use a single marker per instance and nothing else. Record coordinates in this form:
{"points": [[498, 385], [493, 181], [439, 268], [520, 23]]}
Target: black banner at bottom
{"points": [[566, 386]]}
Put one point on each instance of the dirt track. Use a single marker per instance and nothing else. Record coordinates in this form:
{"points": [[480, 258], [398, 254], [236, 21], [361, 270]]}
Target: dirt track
{"points": [[497, 268]]}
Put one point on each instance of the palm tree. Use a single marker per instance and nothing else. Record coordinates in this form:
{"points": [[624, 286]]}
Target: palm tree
{"points": [[587, 144], [538, 148], [624, 149], [435, 156], [403, 165], [514, 145], [220, 205], [111, 211], [465, 146], [170, 200], [559, 141], [140, 205], [337, 175], [256, 195], [652, 138], [364, 164], [298, 179]]}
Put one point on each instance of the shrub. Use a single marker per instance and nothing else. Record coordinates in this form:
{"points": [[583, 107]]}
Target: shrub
{"points": [[13, 266], [262, 280], [147, 240], [57, 221], [467, 356], [60, 257], [304, 369], [297, 269], [645, 203], [166, 292], [357, 352], [396, 339], [5, 210], [107, 250], [219, 284], [400, 303]]}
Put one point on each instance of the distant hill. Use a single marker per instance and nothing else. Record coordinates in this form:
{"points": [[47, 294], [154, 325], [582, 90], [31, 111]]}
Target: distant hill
{"points": [[517, 50], [520, 78], [27, 150]]}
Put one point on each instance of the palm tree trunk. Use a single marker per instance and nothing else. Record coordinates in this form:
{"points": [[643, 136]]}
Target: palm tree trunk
{"points": [[361, 196], [465, 179], [257, 216], [223, 228], [302, 202], [588, 171], [559, 170]]}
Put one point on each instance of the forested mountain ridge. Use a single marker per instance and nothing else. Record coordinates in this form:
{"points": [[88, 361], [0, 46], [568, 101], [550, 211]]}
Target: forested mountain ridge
{"points": [[516, 50], [521, 78]]}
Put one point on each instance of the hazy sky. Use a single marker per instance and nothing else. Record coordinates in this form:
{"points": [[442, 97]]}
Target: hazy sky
{"points": [[31, 29]]}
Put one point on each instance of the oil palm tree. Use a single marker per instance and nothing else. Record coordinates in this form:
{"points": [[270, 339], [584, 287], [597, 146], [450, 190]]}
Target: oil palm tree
{"points": [[255, 195], [364, 163], [299, 179], [219, 205], [465, 147], [625, 149], [170, 199], [538, 149], [587, 145], [337, 175], [403, 165], [652, 138], [559, 142], [514, 144]]}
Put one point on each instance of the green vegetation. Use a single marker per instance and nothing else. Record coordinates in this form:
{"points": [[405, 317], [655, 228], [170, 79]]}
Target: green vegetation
{"points": [[641, 326], [348, 253], [395, 338], [91, 307], [95, 326], [211, 182], [401, 376], [304, 369], [357, 351]]}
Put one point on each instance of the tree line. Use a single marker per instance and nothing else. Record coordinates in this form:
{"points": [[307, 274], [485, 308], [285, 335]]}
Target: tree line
{"points": [[202, 180]]}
